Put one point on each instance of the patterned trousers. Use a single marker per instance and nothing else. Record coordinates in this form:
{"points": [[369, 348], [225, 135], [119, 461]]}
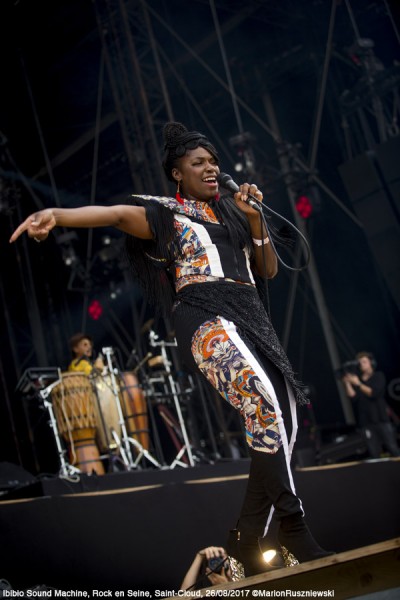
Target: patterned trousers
{"points": [[257, 389]]}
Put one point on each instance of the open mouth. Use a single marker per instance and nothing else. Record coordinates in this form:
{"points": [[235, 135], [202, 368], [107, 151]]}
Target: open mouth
{"points": [[210, 180]]}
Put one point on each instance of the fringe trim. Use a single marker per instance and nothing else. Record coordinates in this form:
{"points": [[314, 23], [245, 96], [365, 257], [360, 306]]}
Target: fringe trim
{"points": [[242, 305], [150, 259]]}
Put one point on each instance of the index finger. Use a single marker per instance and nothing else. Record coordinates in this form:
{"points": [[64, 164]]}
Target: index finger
{"points": [[214, 552], [21, 228]]}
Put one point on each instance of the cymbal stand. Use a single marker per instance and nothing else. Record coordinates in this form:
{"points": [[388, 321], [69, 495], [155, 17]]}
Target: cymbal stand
{"points": [[66, 468], [124, 444], [153, 337], [142, 452]]}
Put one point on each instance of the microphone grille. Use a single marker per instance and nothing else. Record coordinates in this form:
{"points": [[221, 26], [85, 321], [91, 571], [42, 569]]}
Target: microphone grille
{"points": [[223, 178]]}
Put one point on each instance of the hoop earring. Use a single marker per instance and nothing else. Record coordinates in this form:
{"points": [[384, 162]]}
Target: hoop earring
{"points": [[177, 195]]}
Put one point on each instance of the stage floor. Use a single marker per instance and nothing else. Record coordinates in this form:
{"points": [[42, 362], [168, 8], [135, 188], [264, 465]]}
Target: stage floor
{"points": [[140, 530]]}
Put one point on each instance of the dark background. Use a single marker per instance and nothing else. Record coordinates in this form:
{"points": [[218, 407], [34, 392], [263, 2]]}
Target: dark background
{"points": [[75, 126]]}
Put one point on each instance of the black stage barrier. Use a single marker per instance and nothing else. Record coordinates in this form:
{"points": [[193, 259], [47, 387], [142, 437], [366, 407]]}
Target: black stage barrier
{"points": [[144, 533]]}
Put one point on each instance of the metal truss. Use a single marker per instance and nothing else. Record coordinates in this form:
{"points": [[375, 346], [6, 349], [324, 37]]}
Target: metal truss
{"points": [[138, 87], [141, 74]]}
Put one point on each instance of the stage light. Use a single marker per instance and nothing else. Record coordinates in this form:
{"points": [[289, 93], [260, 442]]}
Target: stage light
{"points": [[269, 555], [115, 290], [112, 248], [69, 256], [308, 202], [95, 310], [304, 206], [243, 146]]}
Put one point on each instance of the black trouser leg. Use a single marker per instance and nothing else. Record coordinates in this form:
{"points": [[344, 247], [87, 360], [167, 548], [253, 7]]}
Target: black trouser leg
{"points": [[387, 435], [372, 441], [269, 485], [269, 481]]}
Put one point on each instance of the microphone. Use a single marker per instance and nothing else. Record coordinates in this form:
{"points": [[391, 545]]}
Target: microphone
{"points": [[226, 181]]}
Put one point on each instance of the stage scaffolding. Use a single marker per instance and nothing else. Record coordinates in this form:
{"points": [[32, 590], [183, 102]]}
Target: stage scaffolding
{"points": [[141, 73]]}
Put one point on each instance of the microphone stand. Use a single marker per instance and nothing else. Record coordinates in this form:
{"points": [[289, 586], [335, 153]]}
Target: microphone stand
{"points": [[126, 453], [175, 392]]}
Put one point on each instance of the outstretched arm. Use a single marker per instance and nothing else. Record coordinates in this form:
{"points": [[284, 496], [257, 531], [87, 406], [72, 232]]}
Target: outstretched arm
{"points": [[130, 219]]}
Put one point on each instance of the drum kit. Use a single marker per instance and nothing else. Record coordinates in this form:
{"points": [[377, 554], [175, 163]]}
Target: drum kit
{"points": [[107, 418]]}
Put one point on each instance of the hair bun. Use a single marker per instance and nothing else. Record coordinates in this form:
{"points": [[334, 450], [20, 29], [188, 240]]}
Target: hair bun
{"points": [[172, 133], [177, 141]]}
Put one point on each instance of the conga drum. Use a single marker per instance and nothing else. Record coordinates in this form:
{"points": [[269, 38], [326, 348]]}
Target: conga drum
{"points": [[74, 408], [106, 411], [134, 408]]}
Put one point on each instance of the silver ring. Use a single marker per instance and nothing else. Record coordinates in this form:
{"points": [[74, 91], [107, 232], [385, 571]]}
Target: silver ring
{"points": [[36, 240]]}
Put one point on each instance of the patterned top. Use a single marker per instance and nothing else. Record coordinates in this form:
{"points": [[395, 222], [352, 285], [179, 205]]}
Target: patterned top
{"points": [[203, 250], [192, 246], [191, 208]]}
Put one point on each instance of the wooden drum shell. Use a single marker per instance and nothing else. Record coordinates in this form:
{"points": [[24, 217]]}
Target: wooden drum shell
{"points": [[74, 409]]}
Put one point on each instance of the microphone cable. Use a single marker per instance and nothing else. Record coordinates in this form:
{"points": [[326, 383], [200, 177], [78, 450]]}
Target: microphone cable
{"points": [[227, 182], [263, 220]]}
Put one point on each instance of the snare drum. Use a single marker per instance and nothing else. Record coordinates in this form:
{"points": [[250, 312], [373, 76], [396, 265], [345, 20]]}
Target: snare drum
{"points": [[74, 409]]}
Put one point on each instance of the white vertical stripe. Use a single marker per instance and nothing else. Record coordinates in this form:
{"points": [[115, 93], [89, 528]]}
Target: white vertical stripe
{"points": [[293, 412], [250, 272], [230, 329], [205, 240]]}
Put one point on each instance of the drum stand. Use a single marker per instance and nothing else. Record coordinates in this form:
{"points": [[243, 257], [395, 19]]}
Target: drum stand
{"points": [[66, 468], [175, 392], [124, 444]]}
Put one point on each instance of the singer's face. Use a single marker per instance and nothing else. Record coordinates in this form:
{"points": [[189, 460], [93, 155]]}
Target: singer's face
{"points": [[197, 171], [83, 348]]}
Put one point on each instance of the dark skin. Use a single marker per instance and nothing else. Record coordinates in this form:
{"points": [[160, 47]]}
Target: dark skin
{"points": [[199, 165], [192, 170]]}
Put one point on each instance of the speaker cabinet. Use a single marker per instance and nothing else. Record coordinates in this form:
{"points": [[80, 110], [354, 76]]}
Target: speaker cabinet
{"points": [[372, 181]]}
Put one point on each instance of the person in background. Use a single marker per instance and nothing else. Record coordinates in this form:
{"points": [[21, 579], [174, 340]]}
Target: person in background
{"points": [[367, 390], [81, 346]]}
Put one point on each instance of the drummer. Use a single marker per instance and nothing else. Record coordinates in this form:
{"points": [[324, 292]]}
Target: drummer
{"points": [[81, 346]]}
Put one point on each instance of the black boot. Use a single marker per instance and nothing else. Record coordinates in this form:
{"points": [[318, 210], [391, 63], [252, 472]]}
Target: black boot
{"points": [[270, 483], [295, 536], [246, 549]]}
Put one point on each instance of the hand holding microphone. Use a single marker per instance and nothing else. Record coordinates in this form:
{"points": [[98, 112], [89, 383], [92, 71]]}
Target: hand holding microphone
{"points": [[226, 181], [250, 194]]}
